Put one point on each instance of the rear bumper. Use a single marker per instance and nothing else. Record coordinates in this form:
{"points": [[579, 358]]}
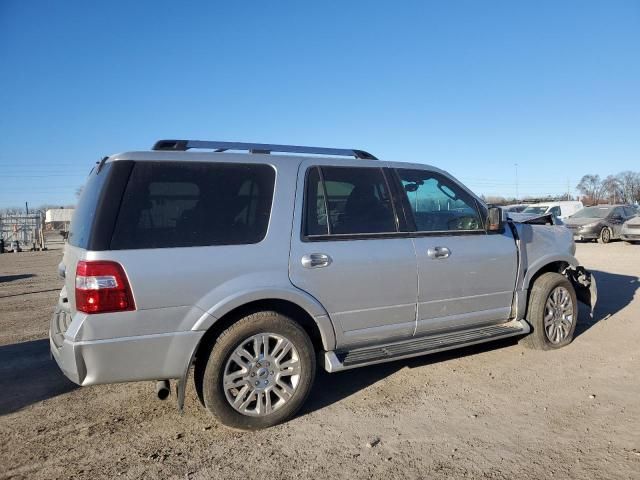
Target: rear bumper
{"points": [[128, 359]]}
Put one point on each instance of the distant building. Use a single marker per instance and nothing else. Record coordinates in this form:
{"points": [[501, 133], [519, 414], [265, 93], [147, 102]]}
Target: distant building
{"points": [[58, 218]]}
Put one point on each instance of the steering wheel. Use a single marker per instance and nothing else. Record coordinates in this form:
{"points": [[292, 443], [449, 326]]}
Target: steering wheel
{"points": [[466, 222]]}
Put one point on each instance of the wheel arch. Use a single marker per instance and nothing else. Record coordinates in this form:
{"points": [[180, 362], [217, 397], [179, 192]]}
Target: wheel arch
{"points": [[551, 263], [296, 303], [312, 325], [556, 266]]}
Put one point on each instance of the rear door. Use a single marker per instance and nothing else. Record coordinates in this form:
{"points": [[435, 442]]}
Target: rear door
{"points": [[466, 276], [347, 252]]}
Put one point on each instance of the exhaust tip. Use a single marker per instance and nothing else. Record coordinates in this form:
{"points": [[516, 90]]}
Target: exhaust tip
{"points": [[163, 389]]}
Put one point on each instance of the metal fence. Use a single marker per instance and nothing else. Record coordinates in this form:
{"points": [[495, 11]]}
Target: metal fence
{"points": [[27, 229]]}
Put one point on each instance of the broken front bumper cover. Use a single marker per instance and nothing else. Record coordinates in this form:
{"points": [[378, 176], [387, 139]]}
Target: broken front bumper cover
{"points": [[584, 284]]}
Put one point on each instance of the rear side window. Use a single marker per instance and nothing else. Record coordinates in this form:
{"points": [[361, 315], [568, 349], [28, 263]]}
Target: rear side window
{"points": [[345, 200], [190, 204], [83, 216]]}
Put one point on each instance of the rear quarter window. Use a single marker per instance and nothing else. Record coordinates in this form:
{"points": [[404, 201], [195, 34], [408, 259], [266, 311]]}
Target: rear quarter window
{"points": [[83, 217], [187, 204]]}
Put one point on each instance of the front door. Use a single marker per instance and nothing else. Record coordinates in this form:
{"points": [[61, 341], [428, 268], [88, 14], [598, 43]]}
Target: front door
{"points": [[349, 255], [617, 218], [466, 275]]}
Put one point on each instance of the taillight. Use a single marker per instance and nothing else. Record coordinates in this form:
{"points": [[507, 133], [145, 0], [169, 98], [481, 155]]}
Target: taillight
{"points": [[101, 287]]}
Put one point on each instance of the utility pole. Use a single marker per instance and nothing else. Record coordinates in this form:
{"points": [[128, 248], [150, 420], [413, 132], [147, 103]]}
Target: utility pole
{"points": [[517, 194], [568, 189]]}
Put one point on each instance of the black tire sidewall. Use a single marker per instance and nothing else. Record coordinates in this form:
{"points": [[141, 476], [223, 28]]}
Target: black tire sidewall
{"points": [[260, 322], [604, 239]]}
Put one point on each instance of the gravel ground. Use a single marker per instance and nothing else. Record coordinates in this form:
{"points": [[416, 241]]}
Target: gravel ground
{"points": [[491, 412]]}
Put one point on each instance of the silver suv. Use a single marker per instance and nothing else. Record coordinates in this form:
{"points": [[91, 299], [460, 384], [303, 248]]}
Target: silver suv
{"points": [[253, 267]]}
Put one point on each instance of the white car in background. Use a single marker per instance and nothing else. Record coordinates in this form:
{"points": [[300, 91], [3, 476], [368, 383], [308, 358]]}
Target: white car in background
{"points": [[515, 208], [630, 231], [561, 210]]}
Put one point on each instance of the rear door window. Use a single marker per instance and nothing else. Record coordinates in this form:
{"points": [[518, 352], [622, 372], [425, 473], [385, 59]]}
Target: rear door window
{"points": [[347, 201], [186, 204]]}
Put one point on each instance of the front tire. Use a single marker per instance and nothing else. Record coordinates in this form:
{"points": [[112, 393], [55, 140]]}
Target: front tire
{"points": [[552, 312], [259, 372], [605, 235]]}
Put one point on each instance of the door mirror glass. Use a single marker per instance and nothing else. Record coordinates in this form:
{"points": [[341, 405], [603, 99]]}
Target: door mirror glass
{"points": [[494, 219]]}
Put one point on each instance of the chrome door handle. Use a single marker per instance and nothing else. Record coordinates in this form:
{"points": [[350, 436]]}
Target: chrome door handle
{"points": [[316, 260], [438, 252]]}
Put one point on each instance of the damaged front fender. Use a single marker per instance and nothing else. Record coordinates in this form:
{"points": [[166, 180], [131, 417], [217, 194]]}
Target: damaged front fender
{"points": [[584, 284]]}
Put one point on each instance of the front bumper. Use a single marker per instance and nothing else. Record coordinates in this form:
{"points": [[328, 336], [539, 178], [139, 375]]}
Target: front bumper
{"points": [[585, 233], [584, 284], [630, 237], [585, 236], [127, 359]]}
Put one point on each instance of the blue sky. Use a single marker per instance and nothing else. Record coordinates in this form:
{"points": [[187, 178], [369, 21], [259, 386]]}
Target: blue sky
{"points": [[470, 86]]}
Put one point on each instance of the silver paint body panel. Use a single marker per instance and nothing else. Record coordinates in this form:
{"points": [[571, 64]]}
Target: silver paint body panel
{"points": [[473, 285]]}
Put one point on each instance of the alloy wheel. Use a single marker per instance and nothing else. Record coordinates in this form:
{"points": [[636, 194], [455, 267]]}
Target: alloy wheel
{"points": [[558, 315], [261, 374]]}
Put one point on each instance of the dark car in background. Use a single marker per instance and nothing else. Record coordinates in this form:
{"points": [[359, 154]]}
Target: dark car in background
{"points": [[600, 222]]}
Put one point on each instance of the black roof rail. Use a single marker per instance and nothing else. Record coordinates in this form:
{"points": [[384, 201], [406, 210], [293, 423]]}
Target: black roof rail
{"points": [[183, 145]]}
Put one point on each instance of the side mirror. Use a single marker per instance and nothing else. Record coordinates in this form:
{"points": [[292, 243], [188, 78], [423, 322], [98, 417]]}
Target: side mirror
{"points": [[494, 219]]}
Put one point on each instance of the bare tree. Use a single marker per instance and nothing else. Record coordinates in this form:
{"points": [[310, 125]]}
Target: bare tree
{"points": [[611, 189], [495, 200], [12, 211], [591, 187], [629, 186]]}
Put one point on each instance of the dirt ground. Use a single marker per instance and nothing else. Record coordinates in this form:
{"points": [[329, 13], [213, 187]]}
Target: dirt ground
{"points": [[490, 412]]}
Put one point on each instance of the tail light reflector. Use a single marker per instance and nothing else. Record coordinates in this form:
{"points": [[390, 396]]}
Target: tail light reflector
{"points": [[102, 286]]}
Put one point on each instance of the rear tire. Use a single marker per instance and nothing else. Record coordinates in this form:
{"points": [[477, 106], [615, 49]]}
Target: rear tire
{"points": [[552, 312], [249, 381], [605, 235]]}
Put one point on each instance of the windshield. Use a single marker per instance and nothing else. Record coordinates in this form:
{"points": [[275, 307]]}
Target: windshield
{"points": [[536, 209], [593, 212]]}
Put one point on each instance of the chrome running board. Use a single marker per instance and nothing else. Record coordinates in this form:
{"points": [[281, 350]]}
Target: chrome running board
{"points": [[339, 360]]}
